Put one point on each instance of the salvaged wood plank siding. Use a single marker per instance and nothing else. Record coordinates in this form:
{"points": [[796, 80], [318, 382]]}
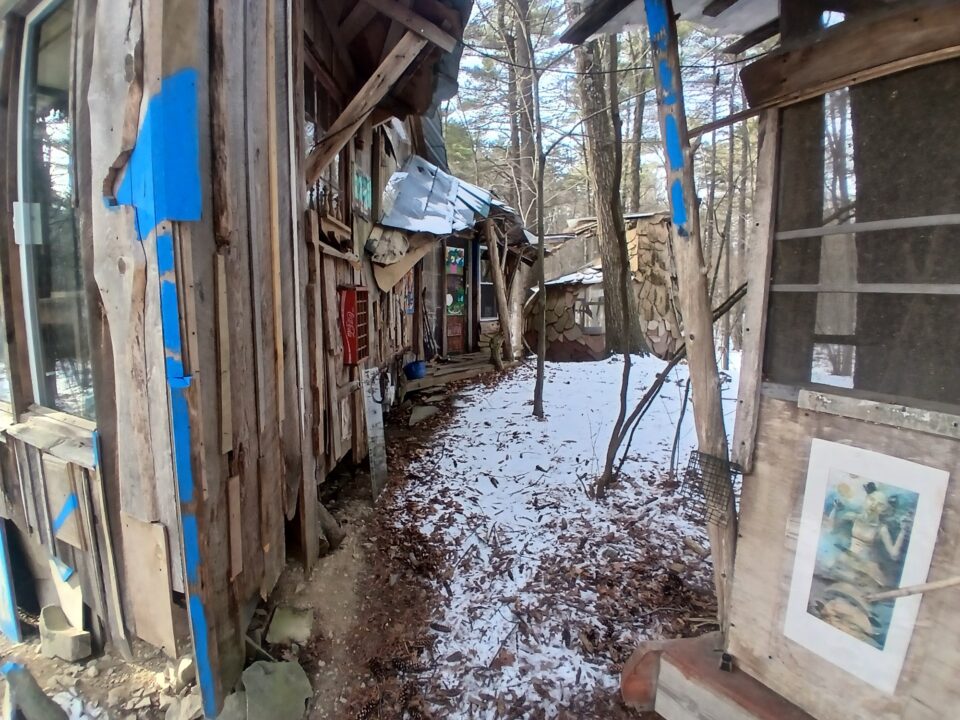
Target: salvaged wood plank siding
{"points": [[231, 226], [770, 509], [222, 392]]}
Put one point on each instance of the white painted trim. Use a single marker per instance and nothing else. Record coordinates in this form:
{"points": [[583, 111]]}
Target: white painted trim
{"points": [[871, 226], [899, 416]]}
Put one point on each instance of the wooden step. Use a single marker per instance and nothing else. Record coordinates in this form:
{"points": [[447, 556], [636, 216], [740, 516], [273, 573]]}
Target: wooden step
{"points": [[691, 686]]}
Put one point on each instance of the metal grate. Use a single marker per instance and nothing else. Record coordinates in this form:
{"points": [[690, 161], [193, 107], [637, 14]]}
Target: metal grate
{"points": [[707, 487]]}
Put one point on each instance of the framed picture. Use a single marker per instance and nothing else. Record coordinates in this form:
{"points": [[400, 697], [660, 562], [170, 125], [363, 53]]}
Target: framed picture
{"points": [[869, 525]]}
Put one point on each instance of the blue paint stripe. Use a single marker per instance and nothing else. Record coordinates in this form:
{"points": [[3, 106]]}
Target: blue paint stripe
{"points": [[9, 622], [191, 547], [66, 511], [201, 650], [66, 572], [181, 438], [657, 22], [679, 206], [162, 177], [169, 306], [672, 140], [667, 82]]}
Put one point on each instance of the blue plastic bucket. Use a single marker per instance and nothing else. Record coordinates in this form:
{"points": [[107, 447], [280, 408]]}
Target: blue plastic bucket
{"points": [[416, 370]]}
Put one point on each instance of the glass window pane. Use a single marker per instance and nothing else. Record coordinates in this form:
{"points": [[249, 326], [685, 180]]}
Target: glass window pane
{"points": [[52, 255], [488, 302]]}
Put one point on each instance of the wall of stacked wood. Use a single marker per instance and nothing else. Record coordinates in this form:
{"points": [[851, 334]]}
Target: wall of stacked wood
{"points": [[648, 245], [222, 392]]}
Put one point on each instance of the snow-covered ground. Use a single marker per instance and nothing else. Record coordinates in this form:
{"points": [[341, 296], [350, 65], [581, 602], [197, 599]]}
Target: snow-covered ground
{"points": [[545, 589]]}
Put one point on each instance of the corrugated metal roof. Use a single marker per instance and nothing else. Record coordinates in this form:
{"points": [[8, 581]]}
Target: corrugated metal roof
{"points": [[589, 275], [423, 198]]}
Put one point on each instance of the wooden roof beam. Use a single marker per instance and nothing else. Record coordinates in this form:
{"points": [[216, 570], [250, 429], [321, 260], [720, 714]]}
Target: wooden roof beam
{"points": [[753, 38], [394, 65], [415, 22], [358, 18]]}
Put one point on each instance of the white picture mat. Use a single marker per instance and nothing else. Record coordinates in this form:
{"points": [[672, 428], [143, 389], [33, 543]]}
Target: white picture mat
{"points": [[879, 668]]}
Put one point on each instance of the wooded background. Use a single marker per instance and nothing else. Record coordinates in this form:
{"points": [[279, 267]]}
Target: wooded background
{"points": [[490, 131]]}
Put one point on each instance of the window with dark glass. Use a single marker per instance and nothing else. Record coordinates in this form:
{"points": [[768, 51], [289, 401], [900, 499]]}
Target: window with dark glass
{"points": [[866, 277], [53, 297], [488, 296]]}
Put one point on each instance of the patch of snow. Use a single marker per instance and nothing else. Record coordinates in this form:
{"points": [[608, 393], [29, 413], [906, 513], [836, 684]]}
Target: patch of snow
{"points": [[507, 495]]}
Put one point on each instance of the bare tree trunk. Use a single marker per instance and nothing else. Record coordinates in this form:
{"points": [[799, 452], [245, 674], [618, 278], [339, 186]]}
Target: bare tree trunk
{"points": [[728, 229], [741, 253], [623, 277], [525, 83], [605, 178], [640, 78], [711, 208], [513, 104]]}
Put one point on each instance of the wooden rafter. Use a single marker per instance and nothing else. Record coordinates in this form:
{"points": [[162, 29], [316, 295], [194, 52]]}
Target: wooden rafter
{"points": [[358, 18], [412, 20], [339, 46], [394, 65]]}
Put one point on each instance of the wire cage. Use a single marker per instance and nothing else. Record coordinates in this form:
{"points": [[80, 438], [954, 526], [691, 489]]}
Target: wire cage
{"points": [[707, 487]]}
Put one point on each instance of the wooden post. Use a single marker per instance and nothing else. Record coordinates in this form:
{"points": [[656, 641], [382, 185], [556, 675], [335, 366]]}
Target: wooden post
{"points": [[759, 262], [499, 287], [692, 280]]}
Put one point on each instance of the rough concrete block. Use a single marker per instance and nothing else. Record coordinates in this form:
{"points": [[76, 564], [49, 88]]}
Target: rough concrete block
{"points": [[58, 638]]}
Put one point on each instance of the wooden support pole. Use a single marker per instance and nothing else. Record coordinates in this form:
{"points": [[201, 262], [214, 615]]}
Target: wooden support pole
{"points": [[691, 276], [759, 264], [499, 287], [392, 68]]}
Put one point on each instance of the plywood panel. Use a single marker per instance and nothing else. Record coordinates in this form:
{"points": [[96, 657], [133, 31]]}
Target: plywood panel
{"points": [[770, 511]]}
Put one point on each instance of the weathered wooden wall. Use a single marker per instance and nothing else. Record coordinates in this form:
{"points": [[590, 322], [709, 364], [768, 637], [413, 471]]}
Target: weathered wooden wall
{"points": [[770, 514]]}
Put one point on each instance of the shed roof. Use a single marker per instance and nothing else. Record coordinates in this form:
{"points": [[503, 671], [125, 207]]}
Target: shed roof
{"points": [[591, 274], [423, 198], [727, 17]]}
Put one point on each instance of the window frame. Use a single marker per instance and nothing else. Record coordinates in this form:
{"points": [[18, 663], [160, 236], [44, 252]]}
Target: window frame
{"points": [[849, 287], [21, 209], [486, 283]]}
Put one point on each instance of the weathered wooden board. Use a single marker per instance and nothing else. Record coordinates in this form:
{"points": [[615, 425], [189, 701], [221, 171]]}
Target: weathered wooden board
{"points": [[373, 412], [759, 262], [147, 575], [265, 302], [231, 226], [770, 514], [63, 501], [855, 51]]}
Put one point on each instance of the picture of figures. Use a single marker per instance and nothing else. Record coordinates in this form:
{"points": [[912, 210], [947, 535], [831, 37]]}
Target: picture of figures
{"points": [[869, 524], [864, 536]]}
